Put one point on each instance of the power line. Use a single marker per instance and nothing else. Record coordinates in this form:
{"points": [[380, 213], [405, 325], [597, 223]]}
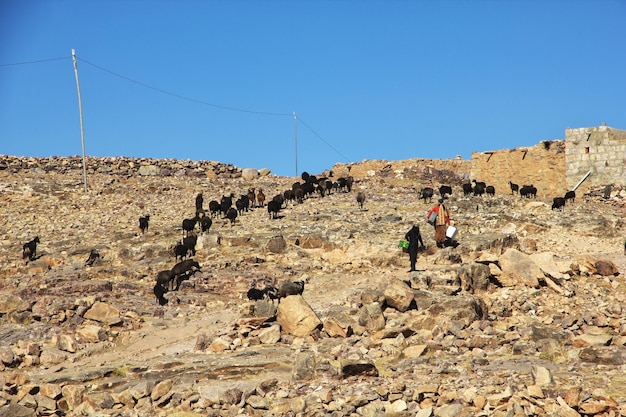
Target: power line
{"points": [[183, 97], [160, 90], [323, 140], [34, 62]]}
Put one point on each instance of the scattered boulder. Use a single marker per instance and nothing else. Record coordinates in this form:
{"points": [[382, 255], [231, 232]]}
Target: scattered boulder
{"points": [[296, 317]]}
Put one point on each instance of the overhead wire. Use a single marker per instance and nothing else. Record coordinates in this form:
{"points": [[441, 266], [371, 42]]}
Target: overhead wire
{"points": [[160, 90], [180, 96], [323, 140], [35, 62], [212, 104]]}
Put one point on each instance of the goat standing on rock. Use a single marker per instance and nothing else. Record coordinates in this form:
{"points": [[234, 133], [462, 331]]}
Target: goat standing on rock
{"points": [[291, 288]]}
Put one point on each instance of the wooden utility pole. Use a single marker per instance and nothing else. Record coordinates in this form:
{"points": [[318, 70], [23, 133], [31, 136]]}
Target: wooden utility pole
{"points": [[295, 129], [80, 112]]}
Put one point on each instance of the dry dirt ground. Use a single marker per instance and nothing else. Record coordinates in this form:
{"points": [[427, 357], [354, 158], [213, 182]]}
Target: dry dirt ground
{"points": [[349, 250]]}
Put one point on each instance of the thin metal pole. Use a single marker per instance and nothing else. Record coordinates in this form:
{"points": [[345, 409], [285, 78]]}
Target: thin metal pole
{"points": [[80, 112], [295, 129]]}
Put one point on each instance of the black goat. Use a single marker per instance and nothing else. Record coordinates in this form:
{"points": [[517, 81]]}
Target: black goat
{"points": [[184, 270], [490, 190], [231, 214], [29, 249], [445, 189], [271, 292], [268, 292], [360, 199], [199, 203], [341, 184], [349, 182], [289, 195], [479, 189], [273, 207], [165, 279], [279, 199], [291, 288], [467, 189], [241, 205], [570, 195], [427, 193], [244, 202], [299, 195], [214, 208], [93, 256], [190, 243], [514, 188], [159, 292], [189, 225], [255, 294], [143, 223], [225, 204], [180, 251], [558, 203], [528, 191], [205, 224]]}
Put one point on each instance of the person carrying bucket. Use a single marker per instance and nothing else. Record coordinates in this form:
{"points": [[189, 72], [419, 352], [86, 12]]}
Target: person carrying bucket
{"points": [[439, 217]]}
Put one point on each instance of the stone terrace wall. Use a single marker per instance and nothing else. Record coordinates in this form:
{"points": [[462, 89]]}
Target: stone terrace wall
{"points": [[541, 165], [435, 171], [601, 150], [124, 166]]}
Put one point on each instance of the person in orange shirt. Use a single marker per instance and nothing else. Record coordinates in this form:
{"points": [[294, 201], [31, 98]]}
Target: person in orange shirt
{"points": [[441, 223]]}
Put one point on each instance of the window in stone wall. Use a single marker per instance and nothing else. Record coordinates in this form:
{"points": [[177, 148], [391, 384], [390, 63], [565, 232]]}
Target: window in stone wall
{"points": [[587, 150]]}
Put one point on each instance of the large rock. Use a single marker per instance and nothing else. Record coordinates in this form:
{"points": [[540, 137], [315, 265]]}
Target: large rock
{"points": [[296, 317], [249, 174], [103, 313], [90, 333], [545, 261], [398, 295], [606, 268], [474, 276], [604, 355], [149, 170], [463, 308], [277, 244], [338, 324], [10, 303], [371, 317], [17, 410], [520, 268], [269, 335], [73, 395]]}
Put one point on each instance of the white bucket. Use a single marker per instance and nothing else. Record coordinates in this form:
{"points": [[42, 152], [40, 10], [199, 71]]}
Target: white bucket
{"points": [[450, 232]]}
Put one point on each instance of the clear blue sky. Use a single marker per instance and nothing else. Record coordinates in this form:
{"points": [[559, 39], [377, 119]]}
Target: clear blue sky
{"points": [[220, 80]]}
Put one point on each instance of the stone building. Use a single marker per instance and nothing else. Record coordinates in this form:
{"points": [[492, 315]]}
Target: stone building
{"points": [[597, 153], [600, 151]]}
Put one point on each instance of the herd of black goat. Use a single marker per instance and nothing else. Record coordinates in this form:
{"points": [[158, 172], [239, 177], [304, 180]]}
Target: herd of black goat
{"points": [[185, 267], [479, 188], [230, 208]]}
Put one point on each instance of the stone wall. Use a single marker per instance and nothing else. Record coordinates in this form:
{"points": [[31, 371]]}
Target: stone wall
{"points": [[601, 150], [542, 165], [120, 165]]}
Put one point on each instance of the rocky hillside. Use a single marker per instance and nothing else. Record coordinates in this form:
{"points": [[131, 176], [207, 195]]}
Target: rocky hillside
{"points": [[524, 317]]}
